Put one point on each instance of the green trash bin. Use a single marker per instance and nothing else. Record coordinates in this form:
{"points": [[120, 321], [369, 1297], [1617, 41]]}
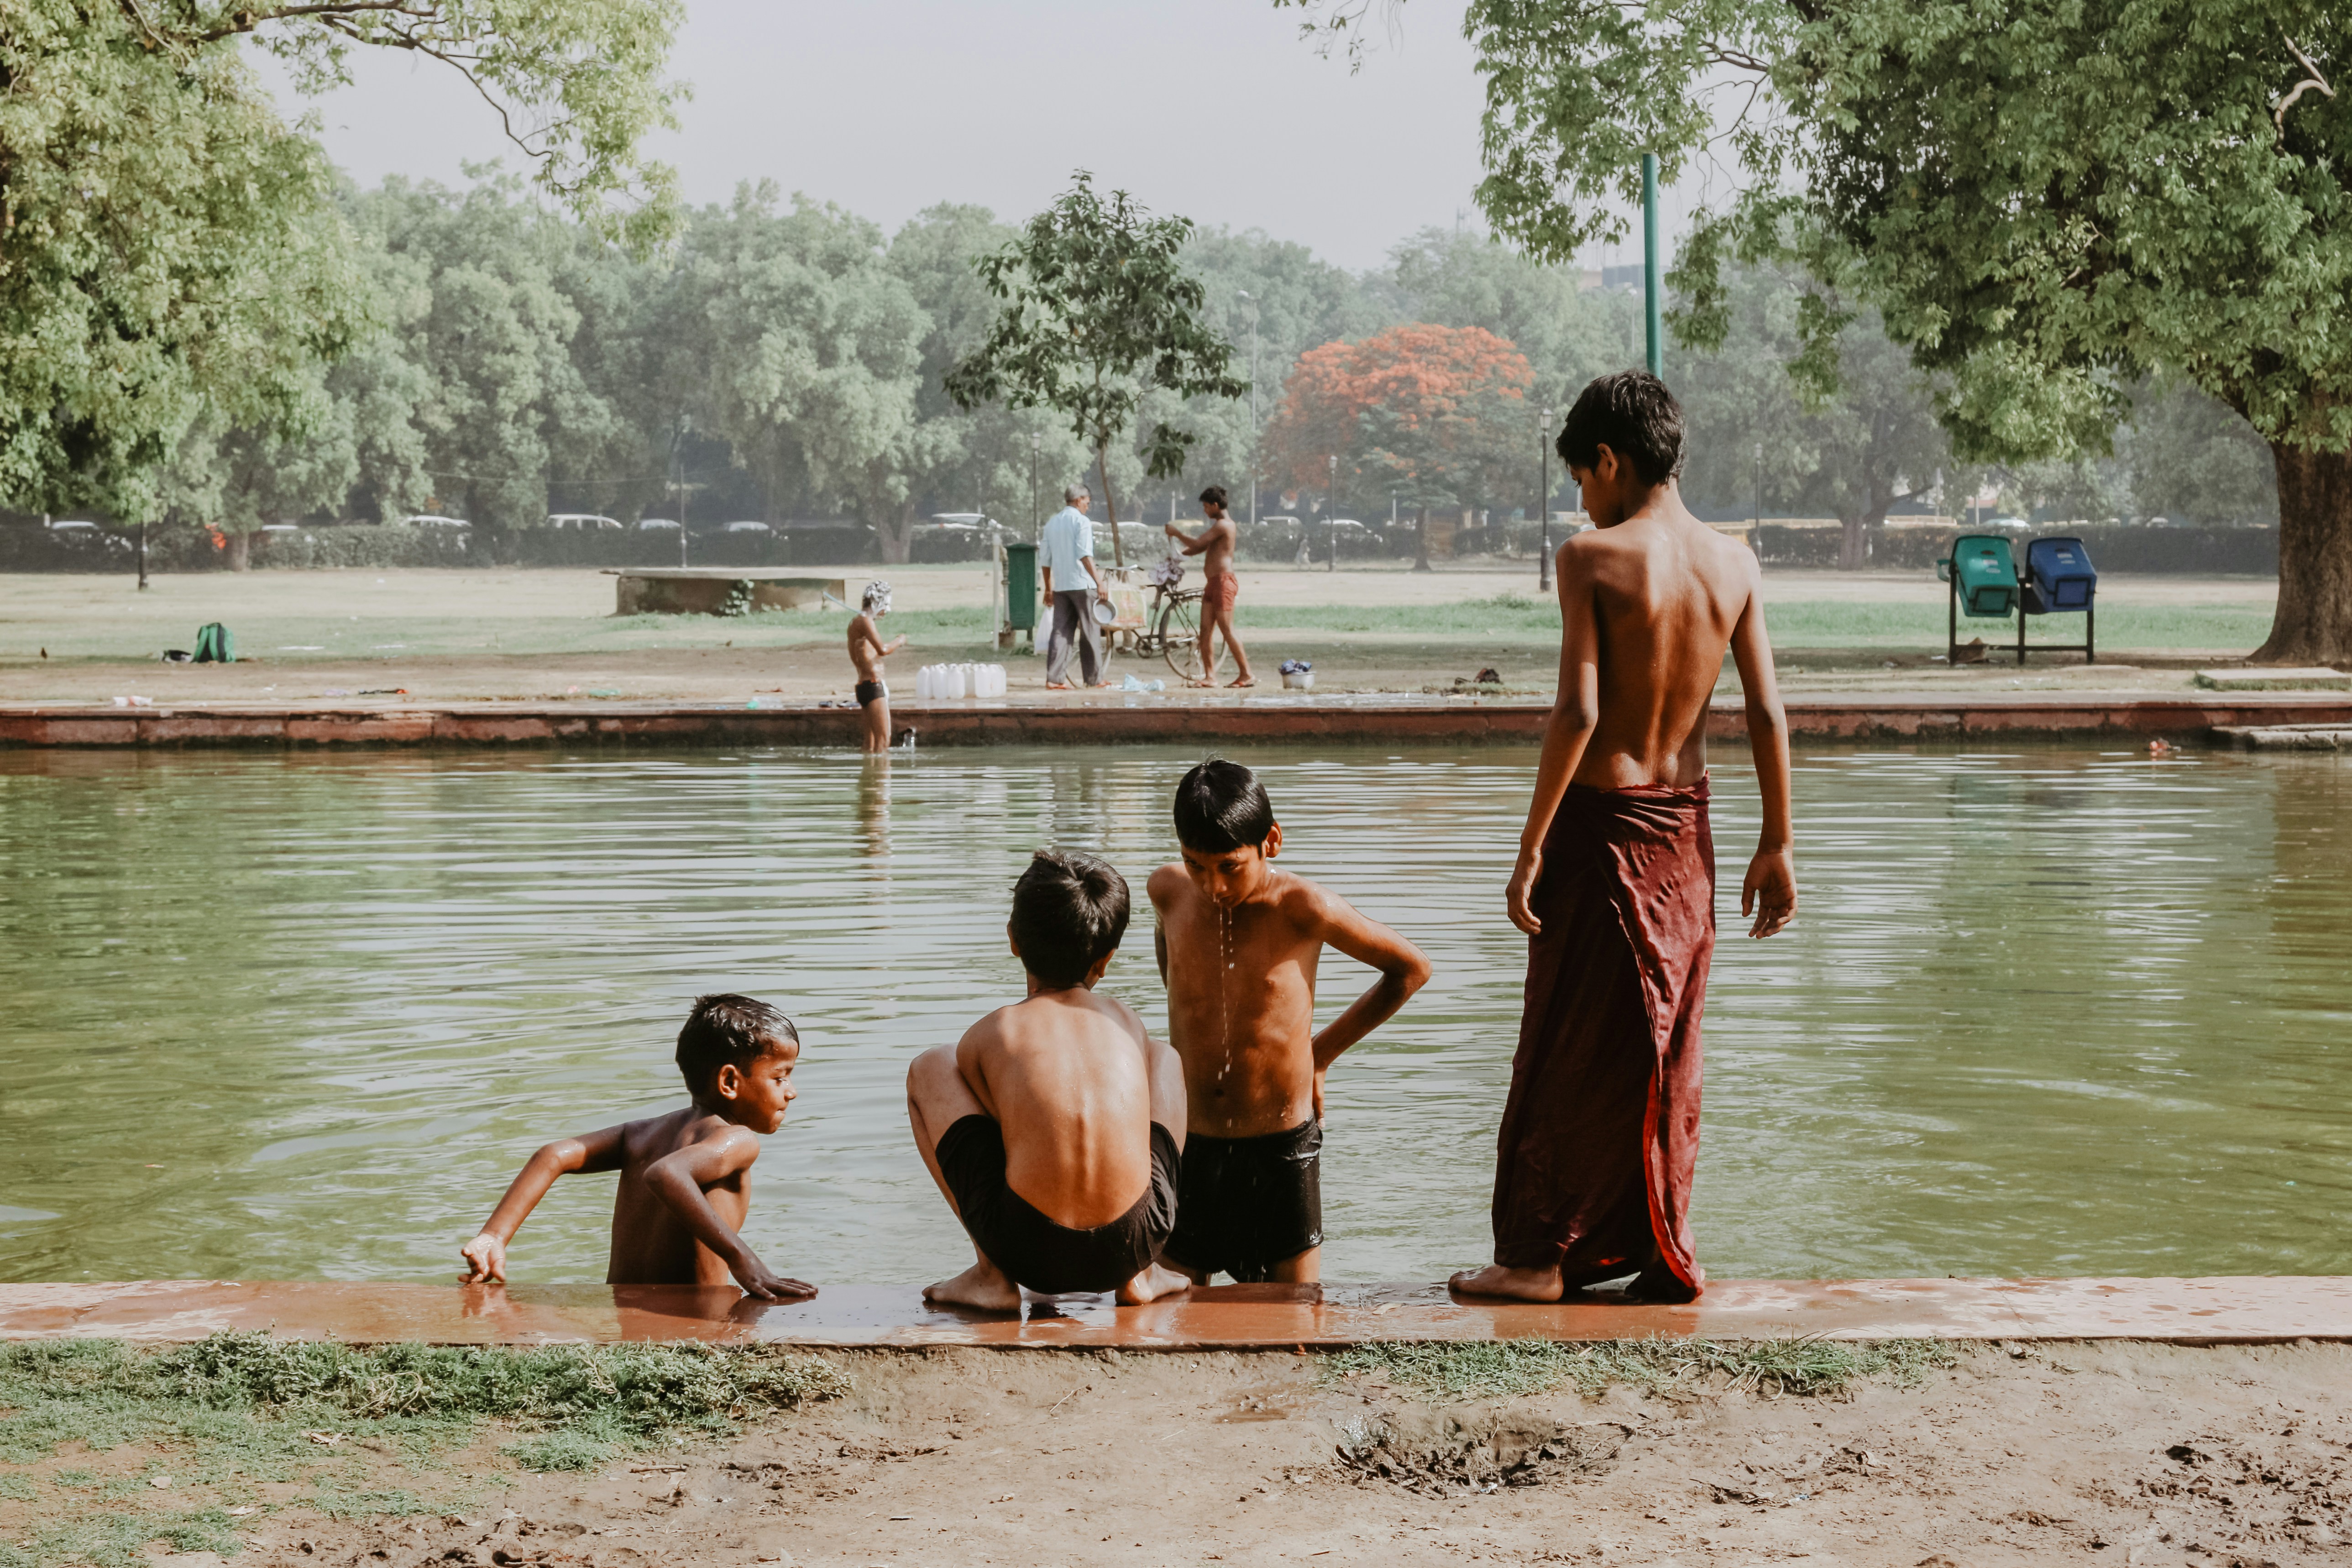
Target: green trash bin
{"points": [[1983, 572], [1021, 588]]}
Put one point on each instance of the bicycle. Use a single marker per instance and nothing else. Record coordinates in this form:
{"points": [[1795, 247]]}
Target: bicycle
{"points": [[1173, 624]]}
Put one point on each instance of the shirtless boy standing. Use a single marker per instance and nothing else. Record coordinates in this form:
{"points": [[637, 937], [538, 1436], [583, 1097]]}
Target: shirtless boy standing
{"points": [[867, 652], [1055, 1126], [1221, 591], [1238, 943], [685, 1177], [1615, 881]]}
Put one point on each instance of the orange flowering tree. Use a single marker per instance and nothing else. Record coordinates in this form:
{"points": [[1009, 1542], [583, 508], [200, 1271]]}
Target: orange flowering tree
{"points": [[1438, 416]]}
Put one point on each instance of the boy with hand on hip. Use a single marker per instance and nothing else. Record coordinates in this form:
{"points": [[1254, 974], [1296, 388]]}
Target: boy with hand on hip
{"points": [[685, 1177], [1238, 943]]}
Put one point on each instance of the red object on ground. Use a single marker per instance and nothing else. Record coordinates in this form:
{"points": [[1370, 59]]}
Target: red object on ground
{"points": [[1600, 1136]]}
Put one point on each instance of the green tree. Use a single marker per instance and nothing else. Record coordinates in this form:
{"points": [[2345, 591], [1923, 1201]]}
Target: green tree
{"points": [[173, 247], [1097, 308], [2044, 199]]}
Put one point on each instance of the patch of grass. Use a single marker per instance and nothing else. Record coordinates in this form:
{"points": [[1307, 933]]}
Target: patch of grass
{"points": [[1831, 623], [236, 1409], [1443, 1373]]}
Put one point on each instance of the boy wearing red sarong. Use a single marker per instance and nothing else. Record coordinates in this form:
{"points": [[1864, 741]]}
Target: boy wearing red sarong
{"points": [[1615, 881]]}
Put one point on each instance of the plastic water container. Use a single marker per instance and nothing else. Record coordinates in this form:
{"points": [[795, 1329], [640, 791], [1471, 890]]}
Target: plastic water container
{"points": [[941, 682]]}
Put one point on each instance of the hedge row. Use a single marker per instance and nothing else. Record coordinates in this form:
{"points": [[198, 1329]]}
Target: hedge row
{"points": [[2206, 551]]}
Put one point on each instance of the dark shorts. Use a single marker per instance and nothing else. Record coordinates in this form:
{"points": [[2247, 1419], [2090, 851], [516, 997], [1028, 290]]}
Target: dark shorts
{"points": [[1051, 1258], [1247, 1204], [869, 691]]}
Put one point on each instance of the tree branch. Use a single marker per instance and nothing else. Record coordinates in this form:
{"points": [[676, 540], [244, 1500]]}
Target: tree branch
{"points": [[2316, 78], [327, 10]]}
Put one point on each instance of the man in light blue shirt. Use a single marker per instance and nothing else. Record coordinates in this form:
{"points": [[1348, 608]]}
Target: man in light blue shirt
{"points": [[1065, 548]]}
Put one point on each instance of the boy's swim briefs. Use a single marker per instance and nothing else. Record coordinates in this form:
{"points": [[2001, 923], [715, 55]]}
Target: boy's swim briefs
{"points": [[868, 691], [1247, 1204], [1222, 592], [1045, 1256]]}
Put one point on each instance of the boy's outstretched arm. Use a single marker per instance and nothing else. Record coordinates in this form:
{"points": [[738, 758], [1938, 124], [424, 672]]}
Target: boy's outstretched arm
{"points": [[486, 1255], [678, 1178], [1770, 893], [1404, 969], [1575, 714]]}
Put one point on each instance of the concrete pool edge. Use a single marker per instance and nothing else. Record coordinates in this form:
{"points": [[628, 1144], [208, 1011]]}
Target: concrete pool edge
{"points": [[2250, 1309], [1903, 717]]}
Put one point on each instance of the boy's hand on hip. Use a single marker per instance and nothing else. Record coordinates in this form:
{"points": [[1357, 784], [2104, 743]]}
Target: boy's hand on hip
{"points": [[1521, 894], [758, 1280], [486, 1259], [1771, 891]]}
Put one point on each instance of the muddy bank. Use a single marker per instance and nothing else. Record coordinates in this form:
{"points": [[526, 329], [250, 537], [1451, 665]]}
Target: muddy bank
{"points": [[2116, 1453]]}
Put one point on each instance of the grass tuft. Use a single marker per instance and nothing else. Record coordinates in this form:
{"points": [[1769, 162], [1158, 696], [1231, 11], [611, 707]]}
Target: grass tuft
{"points": [[1445, 1373]]}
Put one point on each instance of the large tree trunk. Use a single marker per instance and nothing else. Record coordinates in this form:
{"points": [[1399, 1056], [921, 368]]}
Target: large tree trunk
{"points": [[240, 551], [2314, 622], [1421, 538], [1110, 506], [896, 536]]}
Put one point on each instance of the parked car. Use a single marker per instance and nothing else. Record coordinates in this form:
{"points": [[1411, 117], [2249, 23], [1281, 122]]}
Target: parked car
{"points": [[434, 520], [747, 527], [281, 528], [656, 524], [587, 522], [71, 525]]}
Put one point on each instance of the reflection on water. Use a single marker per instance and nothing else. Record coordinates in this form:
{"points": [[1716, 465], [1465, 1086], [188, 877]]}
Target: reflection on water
{"points": [[280, 1017]]}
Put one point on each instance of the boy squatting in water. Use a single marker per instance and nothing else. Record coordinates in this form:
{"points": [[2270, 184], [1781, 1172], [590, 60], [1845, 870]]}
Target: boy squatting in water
{"points": [[677, 1214], [1055, 1127], [1238, 943]]}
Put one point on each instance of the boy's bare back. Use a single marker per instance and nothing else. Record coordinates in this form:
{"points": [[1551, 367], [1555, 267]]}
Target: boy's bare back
{"points": [[648, 1244], [1067, 1074], [1663, 595], [1241, 998]]}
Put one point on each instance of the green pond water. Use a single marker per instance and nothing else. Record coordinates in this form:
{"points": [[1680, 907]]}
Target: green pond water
{"points": [[2045, 1011]]}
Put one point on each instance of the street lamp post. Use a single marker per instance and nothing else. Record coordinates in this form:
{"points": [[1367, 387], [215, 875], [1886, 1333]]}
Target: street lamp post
{"points": [[1245, 294], [1332, 510], [1653, 288], [143, 555], [1543, 503], [1035, 440]]}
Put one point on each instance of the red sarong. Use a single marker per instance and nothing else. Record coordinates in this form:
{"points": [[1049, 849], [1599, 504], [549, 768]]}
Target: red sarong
{"points": [[1600, 1136], [1223, 591]]}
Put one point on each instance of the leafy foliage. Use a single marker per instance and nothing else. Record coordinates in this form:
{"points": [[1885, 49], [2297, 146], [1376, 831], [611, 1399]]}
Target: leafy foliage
{"points": [[1097, 308]]}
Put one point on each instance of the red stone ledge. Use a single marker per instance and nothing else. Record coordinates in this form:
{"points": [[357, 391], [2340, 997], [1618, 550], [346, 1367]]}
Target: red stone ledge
{"points": [[2242, 1311], [570, 724]]}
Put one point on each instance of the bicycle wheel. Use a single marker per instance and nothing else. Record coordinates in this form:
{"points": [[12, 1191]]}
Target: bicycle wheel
{"points": [[1180, 636]]}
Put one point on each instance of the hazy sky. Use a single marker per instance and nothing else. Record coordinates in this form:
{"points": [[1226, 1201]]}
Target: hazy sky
{"points": [[1213, 108]]}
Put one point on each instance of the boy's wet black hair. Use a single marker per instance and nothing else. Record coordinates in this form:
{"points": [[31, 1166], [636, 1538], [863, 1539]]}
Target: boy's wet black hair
{"points": [[725, 1029], [1220, 806], [1633, 415], [1069, 911], [1213, 496]]}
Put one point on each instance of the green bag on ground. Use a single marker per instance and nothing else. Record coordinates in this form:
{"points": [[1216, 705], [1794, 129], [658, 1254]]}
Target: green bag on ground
{"points": [[215, 646]]}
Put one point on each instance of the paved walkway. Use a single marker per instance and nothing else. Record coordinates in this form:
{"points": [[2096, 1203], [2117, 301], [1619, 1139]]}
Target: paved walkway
{"points": [[2250, 1310]]}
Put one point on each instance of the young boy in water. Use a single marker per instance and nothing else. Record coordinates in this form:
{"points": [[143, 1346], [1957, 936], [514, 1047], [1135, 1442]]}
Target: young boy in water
{"points": [[1238, 943], [867, 652], [1055, 1127], [686, 1176]]}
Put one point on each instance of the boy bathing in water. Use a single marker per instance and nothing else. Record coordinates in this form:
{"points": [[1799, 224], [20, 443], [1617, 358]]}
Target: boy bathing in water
{"points": [[1238, 943], [867, 652], [1055, 1127], [1615, 882], [1221, 590], [686, 1176]]}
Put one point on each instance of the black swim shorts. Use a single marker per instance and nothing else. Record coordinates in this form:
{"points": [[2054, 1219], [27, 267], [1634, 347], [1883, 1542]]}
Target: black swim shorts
{"points": [[1047, 1257], [870, 691], [1247, 1204]]}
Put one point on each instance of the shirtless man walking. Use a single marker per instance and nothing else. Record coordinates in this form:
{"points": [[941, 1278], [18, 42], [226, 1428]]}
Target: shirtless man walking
{"points": [[1055, 1126], [867, 652], [1239, 943], [1615, 880], [1220, 591]]}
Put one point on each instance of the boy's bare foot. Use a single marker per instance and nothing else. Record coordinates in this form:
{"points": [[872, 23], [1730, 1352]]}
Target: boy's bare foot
{"points": [[983, 1285], [1514, 1284], [1151, 1285]]}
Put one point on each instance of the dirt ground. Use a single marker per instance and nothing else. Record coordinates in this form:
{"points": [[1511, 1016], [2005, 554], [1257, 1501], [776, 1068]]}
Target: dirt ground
{"points": [[2025, 1454], [465, 636]]}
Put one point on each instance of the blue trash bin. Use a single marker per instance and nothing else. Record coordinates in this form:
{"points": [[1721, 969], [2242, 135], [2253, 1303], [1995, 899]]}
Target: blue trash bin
{"points": [[2061, 580]]}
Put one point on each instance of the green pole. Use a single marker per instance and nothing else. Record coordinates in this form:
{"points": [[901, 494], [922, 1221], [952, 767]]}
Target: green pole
{"points": [[1652, 294]]}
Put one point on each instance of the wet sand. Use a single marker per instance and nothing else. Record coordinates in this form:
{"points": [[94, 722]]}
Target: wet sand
{"points": [[2031, 1453]]}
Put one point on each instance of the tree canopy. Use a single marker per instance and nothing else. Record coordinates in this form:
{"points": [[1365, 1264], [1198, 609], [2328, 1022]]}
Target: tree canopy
{"points": [[1098, 308], [2046, 201], [173, 249]]}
